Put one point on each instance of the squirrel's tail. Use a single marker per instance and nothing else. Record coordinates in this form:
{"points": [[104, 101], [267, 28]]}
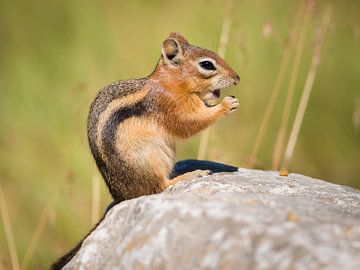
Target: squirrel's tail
{"points": [[61, 262]]}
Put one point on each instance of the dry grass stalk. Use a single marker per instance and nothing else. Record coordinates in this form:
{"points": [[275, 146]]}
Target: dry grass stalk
{"points": [[224, 40], [8, 230], [321, 33], [278, 150], [95, 206], [44, 218], [276, 89], [356, 114]]}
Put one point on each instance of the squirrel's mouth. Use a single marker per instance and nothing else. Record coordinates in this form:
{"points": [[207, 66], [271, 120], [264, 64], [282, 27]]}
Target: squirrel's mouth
{"points": [[211, 97], [216, 93]]}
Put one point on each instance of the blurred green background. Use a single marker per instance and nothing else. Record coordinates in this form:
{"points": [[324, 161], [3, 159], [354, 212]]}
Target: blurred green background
{"points": [[55, 55]]}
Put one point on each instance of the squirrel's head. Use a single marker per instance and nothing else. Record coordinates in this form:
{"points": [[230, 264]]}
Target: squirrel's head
{"points": [[184, 68]]}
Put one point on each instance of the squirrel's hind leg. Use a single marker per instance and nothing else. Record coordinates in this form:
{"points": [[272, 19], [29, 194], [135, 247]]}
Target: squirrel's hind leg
{"points": [[186, 176]]}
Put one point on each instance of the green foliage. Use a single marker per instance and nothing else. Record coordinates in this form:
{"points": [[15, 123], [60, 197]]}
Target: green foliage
{"points": [[55, 55]]}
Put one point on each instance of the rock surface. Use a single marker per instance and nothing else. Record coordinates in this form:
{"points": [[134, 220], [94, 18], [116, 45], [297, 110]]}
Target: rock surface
{"points": [[243, 220]]}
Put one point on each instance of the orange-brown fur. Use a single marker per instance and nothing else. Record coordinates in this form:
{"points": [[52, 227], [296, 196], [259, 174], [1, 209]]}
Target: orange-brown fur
{"points": [[133, 124], [172, 95]]}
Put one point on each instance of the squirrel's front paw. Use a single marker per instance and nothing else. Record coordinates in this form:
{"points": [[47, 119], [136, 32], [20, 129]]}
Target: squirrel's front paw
{"points": [[230, 103]]}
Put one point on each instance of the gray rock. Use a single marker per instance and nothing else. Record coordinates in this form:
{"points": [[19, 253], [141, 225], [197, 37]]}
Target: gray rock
{"points": [[243, 220]]}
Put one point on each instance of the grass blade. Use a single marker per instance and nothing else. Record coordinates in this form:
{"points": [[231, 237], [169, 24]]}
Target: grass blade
{"points": [[8, 230], [276, 89], [95, 205], [44, 218], [224, 40], [321, 33], [278, 150]]}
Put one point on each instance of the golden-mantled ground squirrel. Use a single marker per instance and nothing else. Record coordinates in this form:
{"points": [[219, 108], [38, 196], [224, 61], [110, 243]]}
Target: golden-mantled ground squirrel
{"points": [[133, 124]]}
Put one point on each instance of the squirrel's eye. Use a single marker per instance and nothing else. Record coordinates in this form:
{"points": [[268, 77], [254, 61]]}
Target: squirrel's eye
{"points": [[207, 65]]}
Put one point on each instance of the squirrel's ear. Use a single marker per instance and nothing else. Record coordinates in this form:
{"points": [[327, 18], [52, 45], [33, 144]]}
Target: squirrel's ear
{"points": [[178, 37], [171, 51]]}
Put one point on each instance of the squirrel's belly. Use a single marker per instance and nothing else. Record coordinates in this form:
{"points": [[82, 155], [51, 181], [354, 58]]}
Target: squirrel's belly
{"points": [[145, 144]]}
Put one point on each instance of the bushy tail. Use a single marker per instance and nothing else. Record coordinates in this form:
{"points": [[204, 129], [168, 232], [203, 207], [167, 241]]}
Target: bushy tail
{"points": [[60, 263]]}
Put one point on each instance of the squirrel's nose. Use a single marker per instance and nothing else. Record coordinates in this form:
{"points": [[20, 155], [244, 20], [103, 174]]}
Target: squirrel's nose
{"points": [[237, 79]]}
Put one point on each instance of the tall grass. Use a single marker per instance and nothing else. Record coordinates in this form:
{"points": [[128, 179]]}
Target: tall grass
{"points": [[277, 86], [43, 220], [224, 39], [8, 230], [320, 37], [96, 200], [278, 149]]}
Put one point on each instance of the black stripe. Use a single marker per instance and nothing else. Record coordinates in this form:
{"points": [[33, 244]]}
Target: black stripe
{"points": [[116, 171], [109, 131]]}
